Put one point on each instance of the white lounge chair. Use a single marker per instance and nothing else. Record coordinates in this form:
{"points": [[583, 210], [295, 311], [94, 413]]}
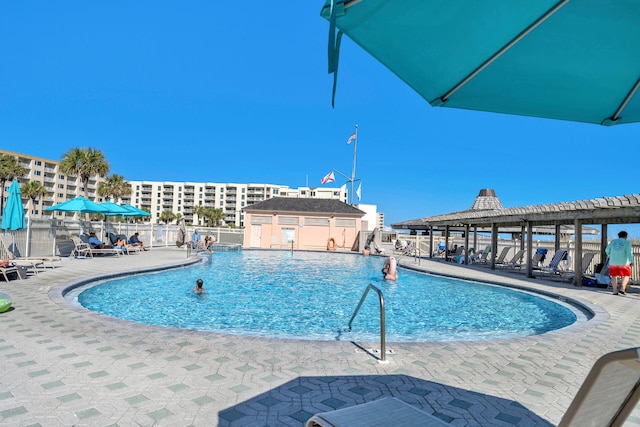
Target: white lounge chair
{"points": [[388, 411]]}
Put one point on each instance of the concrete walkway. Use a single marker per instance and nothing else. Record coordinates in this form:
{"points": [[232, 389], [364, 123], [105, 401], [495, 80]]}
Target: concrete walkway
{"points": [[63, 365]]}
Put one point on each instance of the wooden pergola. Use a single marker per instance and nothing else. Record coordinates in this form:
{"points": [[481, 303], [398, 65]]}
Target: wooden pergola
{"points": [[599, 211]]}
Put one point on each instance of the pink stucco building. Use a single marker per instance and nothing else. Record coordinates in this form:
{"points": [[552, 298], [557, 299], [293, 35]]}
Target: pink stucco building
{"points": [[302, 224]]}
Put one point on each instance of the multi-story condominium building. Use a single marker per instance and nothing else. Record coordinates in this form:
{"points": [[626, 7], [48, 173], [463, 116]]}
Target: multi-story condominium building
{"points": [[182, 197], [59, 187], [156, 196]]}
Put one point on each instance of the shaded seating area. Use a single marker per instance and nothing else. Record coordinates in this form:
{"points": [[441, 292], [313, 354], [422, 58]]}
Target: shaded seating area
{"points": [[566, 221]]}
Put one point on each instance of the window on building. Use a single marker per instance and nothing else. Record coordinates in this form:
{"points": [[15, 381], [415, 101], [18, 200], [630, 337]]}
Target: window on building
{"points": [[60, 195], [36, 202], [303, 192], [242, 204], [336, 193], [276, 191], [179, 188], [38, 163], [159, 195], [179, 195], [201, 198], [179, 201], [243, 197], [137, 201], [313, 194], [38, 173], [243, 190], [179, 208], [137, 187], [137, 194], [60, 185], [61, 176]]}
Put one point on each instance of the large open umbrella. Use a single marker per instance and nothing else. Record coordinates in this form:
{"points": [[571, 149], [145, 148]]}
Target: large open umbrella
{"points": [[135, 211], [78, 204], [13, 215], [114, 209], [569, 60]]}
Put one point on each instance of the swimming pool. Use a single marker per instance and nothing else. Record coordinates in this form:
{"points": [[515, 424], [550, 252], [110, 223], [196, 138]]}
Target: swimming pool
{"points": [[312, 295]]}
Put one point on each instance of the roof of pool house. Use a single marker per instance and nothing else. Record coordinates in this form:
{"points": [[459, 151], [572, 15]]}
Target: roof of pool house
{"points": [[318, 206]]}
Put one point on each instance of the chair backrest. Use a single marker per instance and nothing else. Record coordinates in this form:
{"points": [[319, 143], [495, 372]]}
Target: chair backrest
{"points": [[586, 260], [557, 258], [502, 255], [609, 393], [517, 256]]}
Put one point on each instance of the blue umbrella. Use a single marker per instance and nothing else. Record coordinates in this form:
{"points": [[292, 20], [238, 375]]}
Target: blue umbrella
{"points": [[135, 211], [568, 60], [114, 209], [78, 204], [13, 215]]}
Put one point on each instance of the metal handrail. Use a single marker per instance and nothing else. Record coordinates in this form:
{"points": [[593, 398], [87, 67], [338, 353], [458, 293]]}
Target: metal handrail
{"points": [[383, 346]]}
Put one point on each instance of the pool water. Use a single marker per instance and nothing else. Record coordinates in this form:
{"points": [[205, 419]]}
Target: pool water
{"points": [[312, 296]]}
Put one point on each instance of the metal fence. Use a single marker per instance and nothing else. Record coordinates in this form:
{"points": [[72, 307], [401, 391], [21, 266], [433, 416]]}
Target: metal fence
{"points": [[53, 237]]}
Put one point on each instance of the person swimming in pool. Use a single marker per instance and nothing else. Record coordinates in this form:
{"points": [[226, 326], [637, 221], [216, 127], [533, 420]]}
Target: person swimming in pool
{"points": [[199, 289]]}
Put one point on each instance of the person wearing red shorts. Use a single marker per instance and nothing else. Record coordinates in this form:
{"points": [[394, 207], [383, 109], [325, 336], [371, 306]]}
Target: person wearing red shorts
{"points": [[620, 262]]}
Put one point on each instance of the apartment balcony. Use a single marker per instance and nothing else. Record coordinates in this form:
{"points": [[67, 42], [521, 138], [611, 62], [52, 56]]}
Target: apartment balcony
{"points": [[49, 170], [47, 179], [25, 165], [71, 191], [49, 189]]}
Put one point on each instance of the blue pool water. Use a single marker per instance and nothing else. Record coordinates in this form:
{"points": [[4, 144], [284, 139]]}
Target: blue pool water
{"points": [[312, 296]]}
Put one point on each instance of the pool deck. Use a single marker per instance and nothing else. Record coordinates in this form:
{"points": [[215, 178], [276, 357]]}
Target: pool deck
{"points": [[62, 365]]}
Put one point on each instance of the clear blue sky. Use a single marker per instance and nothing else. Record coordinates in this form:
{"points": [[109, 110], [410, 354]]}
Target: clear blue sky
{"points": [[239, 92]]}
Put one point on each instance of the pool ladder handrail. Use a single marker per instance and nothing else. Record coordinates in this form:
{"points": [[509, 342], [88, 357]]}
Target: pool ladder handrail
{"points": [[383, 346]]}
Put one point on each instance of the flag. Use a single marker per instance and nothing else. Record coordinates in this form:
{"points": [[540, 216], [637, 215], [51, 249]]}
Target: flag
{"points": [[358, 193], [351, 138], [328, 178]]}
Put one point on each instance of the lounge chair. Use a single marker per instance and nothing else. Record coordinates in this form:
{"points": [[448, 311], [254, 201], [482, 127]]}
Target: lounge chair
{"points": [[587, 257], [554, 265], [8, 270], [481, 258], [515, 261], [606, 398], [82, 249], [33, 263], [387, 411], [503, 255], [458, 252]]}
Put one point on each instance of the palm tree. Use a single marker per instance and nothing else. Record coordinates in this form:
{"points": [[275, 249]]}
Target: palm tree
{"points": [[166, 217], [85, 163], [9, 169], [178, 218], [33, 190], [217, 215], [114, 187], [200, 211]]}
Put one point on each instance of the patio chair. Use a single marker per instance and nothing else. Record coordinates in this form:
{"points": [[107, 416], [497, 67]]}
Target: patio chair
{"points": [[82, 249], [481, 258], [4, 271], [457, 253], [606, 398], [32, 262], [503, 254], [587, 257], [387, 411], [515, 261], [554, 265]]}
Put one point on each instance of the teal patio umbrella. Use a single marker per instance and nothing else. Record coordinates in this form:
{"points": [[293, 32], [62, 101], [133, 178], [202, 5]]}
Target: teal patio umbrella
{"points": [[135, 211], [114, 209], [78, 204], [560, 59], [13, 215]]}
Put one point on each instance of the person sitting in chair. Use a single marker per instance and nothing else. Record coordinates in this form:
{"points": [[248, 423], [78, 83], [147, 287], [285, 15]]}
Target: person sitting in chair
{"points": [[96, 243], [135, 240]]}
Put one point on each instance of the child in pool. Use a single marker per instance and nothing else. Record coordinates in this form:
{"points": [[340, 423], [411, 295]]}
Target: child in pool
{"points": [[199, 289]]}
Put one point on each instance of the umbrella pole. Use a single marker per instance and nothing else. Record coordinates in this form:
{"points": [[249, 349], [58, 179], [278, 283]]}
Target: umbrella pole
{"points": [[28, 249]]}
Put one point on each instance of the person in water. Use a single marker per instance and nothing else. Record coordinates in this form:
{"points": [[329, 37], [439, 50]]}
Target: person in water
{"points": [[389, 270], [199, 289]]}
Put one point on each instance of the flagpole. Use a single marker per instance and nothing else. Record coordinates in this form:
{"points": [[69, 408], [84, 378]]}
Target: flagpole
{"points": [[353, 171]]}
